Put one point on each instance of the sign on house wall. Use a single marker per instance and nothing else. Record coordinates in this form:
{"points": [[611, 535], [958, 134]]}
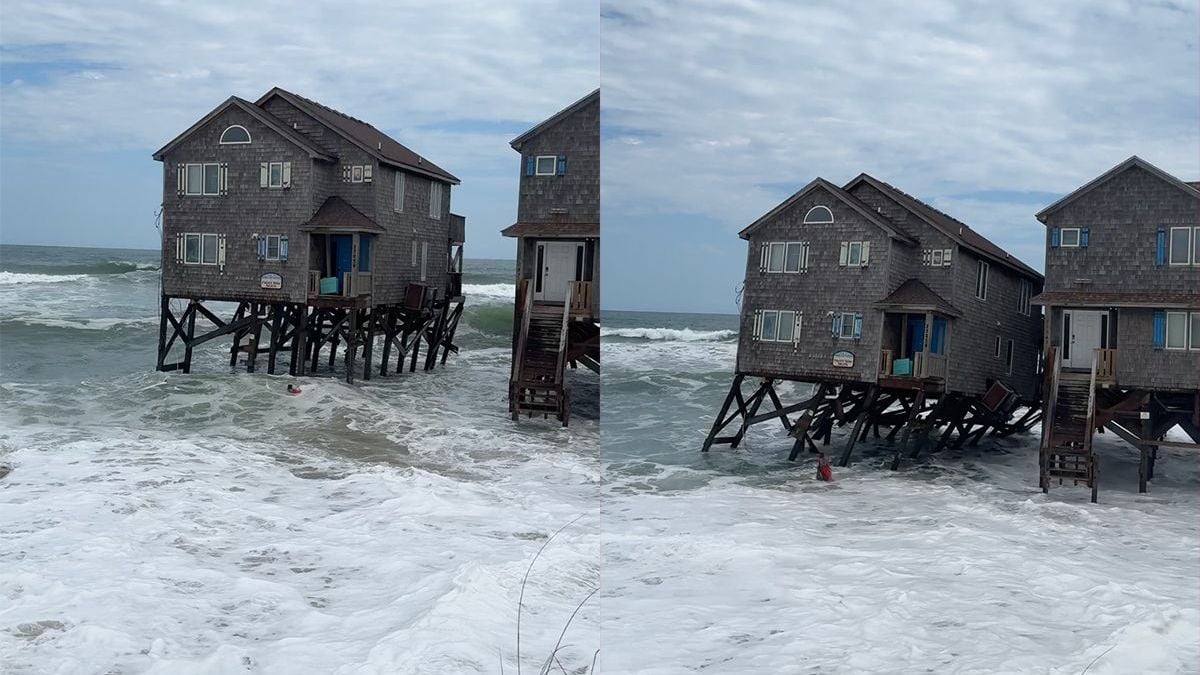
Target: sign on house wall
{"points": [[843, 359], [271, 280]]}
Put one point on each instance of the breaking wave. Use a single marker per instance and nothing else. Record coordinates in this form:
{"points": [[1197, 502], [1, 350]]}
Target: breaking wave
{"points": [[490, 291], [670, 334], [110, 267], [15, 278]]}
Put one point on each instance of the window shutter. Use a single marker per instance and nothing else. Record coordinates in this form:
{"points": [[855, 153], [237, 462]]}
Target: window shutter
{"points": [[946, 257], [756, 331], [866, 253], [262, 174], [224, 178], [345, 173], [262, 247], [367, 171], [927, 257], [858, 320], [181, 180], [796, 329], [844, 255], [221, 252], [1083, 238], [562, 165], [398, 200], [179, 248], [1160, 330], [287, 174], [804, 257], [529, 166], [414, 253], [283, 245], [837, 324], [762, 258], [1160, 257], [424, 258], [1055, 237]]}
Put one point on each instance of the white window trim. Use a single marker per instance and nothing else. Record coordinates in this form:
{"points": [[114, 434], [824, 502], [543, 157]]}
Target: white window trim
{"points": [[1062, 237], [398, 197], [847, 325], [424, 258], [981, 280], [1024, 295], [850, 261], [1167, 331], [1187, 247], [187, 183], [249, 138], [763, 323], [1193, 334], [356, 173], [435, 204], [537, 165], [271, 173], [216, 249], [801, 262], [278, 244], [199, 248], [808, 219], [997, 350], [936, 257], [771, 248]]}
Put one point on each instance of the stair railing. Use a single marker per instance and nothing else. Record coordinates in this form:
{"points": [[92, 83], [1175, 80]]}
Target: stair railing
{"points": [[562, 337], [1091, 404], [1050, 394], [522, 339]]}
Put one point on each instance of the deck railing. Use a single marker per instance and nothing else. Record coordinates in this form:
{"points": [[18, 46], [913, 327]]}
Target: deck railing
{"points": [[885, 362], [353, 284], [580, 297], [928, 364], [1106, 365]]}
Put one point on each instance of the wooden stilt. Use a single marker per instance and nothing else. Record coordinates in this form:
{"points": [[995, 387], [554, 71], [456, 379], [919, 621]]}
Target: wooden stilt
{"points": [[255, 336], [277, 311], [913, 410], [191, 332], [721, 421], [861, 413]]}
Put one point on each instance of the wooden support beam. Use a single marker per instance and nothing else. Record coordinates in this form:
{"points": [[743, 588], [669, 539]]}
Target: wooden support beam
{"points": [[913, 409], [372, 319], [277, 311], [351, 343], [255, 335], [187, 338], [860, 419], [721, 421]]}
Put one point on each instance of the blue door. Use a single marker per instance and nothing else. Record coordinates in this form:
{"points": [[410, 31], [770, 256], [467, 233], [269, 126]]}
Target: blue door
{"points": [[343, 256], [916, 336]]}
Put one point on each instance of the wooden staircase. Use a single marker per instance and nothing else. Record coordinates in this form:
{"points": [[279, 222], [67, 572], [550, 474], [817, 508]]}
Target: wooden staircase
{"points": [[538, 383], [1069, 422]]}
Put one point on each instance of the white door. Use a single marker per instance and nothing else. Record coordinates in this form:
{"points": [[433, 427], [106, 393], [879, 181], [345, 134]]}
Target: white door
{"points": [[558, 262], [1083, 329]]}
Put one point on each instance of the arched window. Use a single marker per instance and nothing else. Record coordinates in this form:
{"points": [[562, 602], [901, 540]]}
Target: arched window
{"points": [[818, 214], [235, 135]]}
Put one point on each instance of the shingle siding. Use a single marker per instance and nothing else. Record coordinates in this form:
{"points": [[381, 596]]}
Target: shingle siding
{"points": [[577, 136]]}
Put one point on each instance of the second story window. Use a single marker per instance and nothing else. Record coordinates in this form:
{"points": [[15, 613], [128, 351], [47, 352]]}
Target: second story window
{"points": [[235, 135], [203, 179], [1070, 237], [398, 197], [275, 174], [784, 256], [1024, 293], [435, 200], [1184, 246], [546, 165], [855, 254], [981, 281], [847, 325]]}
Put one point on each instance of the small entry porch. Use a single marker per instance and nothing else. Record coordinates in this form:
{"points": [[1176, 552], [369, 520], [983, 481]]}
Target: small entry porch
{"points": [[340, 264], [913, 349]]}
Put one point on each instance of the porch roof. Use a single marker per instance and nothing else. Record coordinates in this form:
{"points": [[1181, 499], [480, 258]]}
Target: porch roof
{"points": [[337, 215], [913, 295], [1116, 299], [549, 230]]}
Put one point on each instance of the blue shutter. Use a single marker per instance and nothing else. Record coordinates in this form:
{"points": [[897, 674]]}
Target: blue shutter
{"points": [[529, 166], [1054, 237], [1160, 330], [1083, 238], [262, 247], [283, 249], [1160, 257], [837, 324], [857, 326], [562, 165]]}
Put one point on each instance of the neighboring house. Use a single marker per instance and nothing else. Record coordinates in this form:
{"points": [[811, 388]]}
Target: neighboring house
{"points": [[1123, 293], [865, 288], [557, 315], [319, 225]]}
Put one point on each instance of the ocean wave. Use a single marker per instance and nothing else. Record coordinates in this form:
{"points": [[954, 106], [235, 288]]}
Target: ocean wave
{"points": [[109, 267], [670, 334], [15, 278], [83, 324], [491, 291]]}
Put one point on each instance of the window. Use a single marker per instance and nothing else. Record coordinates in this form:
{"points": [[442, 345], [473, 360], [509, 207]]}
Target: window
{"points": [[997, 350], [937, 257], [772, 325], [1177, 324], [787, 326], [1181, 246], [847, 325], [398, 198], [235, 135], [981, 281], [796, 259], [208, 249], [1194, 331], [1070, 237], [356, 174], [414, 254], [275, 174], [1008, 357], [776, 256], [435, 200], [854, 254], [818, 215], [272, 247], [191, 249], [203, 179], [201, 249], [424, 258], [781, 256], [546, 164], [1024, 293]]}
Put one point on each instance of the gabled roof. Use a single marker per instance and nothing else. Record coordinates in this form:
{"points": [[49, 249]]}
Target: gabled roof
{"points": [[557, 117], [257, 113], [336, 214], [843, 196], [368, 138], [957, 230], [913, 294], [1192, 189]]}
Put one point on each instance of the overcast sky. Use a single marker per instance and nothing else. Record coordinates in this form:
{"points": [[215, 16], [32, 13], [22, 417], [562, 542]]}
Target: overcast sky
{"points": [[714, 112], [88, 90]]}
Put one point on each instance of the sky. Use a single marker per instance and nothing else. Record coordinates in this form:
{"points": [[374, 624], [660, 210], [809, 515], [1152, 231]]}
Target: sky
{"points": [[714, 112], [89, 90]]}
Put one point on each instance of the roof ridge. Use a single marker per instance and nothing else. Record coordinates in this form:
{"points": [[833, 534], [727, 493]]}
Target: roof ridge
{"points": [[925, 204]]}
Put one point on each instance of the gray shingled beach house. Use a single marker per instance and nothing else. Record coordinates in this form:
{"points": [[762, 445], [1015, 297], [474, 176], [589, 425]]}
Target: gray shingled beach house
{"points": [[322, 229], [556, 322], [1122, 319], [899, 314]]}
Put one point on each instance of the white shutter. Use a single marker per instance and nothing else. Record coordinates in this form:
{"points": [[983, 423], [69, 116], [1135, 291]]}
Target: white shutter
{"points": [[287, 174], [762, 258], [221, 252], [345, 173], [844, 255], [181, 178], [179, 248], [796, 330], [367, 173], [804, 257], [414, 253], [866, 253], [424, 258], [926, 257], [262, 174], [756, 332], [946, 258], [224, 178]]}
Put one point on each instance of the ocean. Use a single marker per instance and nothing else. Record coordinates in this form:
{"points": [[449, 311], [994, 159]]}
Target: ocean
{"points": [[738, 561], [209, 523]]}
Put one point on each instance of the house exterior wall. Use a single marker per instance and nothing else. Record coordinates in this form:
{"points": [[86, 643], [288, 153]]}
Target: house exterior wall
{"points": [[971, 349], [906, 260], [1141, 366], [245, 210], [577, 136], [826, 287], [413, 224]]}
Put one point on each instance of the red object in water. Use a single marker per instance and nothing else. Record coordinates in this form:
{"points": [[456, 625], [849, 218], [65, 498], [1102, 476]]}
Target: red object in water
{"points": [[824, 471]]}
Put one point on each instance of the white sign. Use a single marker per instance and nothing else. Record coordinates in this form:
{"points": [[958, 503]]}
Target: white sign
{"points": [[843, 359], [271, 280]]}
